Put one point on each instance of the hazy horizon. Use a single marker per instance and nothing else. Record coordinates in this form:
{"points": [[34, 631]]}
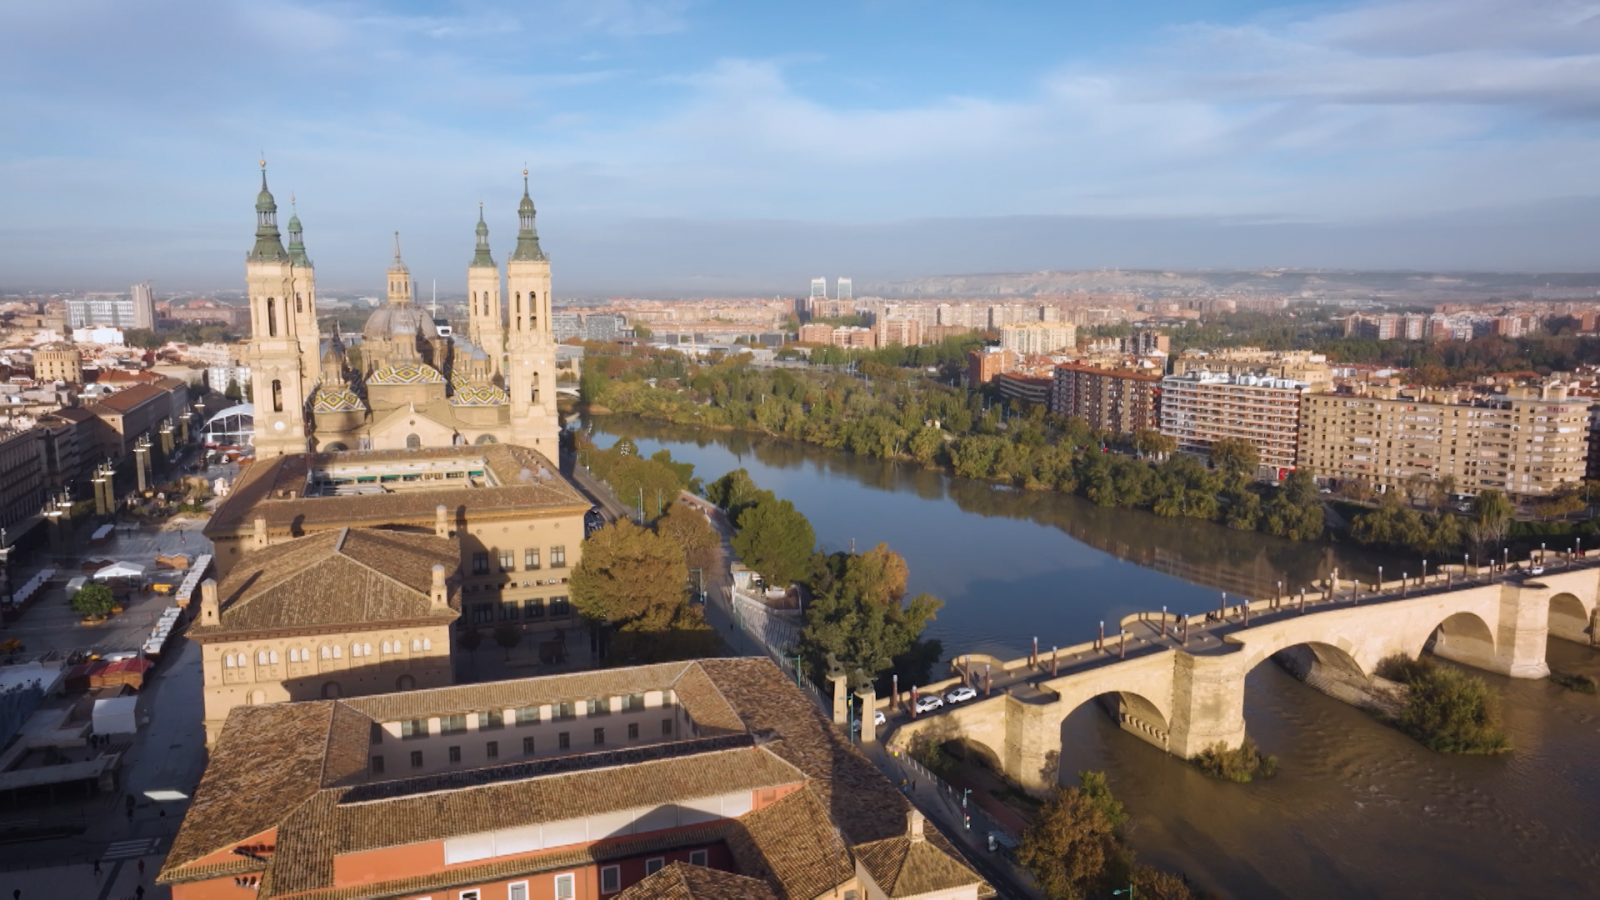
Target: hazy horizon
{"points": [[681, 148]]}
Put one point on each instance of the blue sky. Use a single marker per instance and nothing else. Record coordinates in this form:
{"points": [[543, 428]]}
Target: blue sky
{"points": [[682, 146]]}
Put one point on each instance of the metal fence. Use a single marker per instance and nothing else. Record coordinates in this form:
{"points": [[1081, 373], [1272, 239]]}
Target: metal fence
{"points": [[978, 821]]}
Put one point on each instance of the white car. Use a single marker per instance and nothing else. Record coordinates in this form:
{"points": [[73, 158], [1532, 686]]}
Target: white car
{"points": [[960, 694], [1536, 570], [928, 703], [878, 718]]}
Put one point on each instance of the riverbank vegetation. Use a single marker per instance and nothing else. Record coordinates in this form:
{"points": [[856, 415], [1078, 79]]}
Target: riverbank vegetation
{"points": [[1074, 848], [1446, 709], [1241, 764], [1583, 684]]}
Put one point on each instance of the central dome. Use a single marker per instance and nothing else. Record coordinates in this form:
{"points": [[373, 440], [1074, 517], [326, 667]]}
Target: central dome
{"points": [[398, 320]]}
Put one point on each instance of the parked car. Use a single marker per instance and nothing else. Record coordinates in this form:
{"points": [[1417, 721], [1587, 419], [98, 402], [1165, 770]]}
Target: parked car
{"points": [[1536, 570], [878, 718], [928, 703], [960, 694]]}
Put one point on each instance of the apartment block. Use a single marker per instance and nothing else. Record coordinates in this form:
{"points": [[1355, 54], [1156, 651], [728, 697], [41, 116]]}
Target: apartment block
{"points": [[898, 330], [1039, 338], [1200, 408], [1121, 401], [1528, 441], [984, 365]]}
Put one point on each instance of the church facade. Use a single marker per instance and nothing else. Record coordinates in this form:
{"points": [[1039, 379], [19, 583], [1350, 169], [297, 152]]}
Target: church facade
{"points": [[411, 386]]}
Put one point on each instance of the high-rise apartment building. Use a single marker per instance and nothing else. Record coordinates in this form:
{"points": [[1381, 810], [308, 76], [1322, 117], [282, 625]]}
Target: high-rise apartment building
{"points": [[845, 289], [1198, 409], [819, 288], [1120, 401], [898, 330], [984, 365], [1528, 441], [1039, 338], [144, 306]]}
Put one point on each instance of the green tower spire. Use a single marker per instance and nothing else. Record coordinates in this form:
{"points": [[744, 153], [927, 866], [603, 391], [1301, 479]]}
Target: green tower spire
{"points": [[482, 259], [527, 236], [297, 245], [269, 246]]}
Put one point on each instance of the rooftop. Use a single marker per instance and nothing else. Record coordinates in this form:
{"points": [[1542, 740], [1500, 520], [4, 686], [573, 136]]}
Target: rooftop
{"points": [[387, 487]]}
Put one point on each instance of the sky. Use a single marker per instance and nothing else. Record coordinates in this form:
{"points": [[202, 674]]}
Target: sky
{"points": [[685, 147]]}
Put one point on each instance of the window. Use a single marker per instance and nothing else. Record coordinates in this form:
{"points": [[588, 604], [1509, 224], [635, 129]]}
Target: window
{"points": [[528, 715], [565, 710], [599, 736], [492, 749], [376, 734], [482, 613], [413, 442], [261, 657], [489, 721], [377, 765], [294, 654], [610, 879], [227, 660], [455, 754], [535, 607], [527, 745], [480, 563], [633, 731], [566, 887], [564, 740], [699, 858], [558, 607], [558, 557], [666, 727], [455, 724], [416, 759], [518, 891], [632, 702], [653, 865], [530, 558], [508, 561], [600, 707], [338, 651], [414, 728], [471, 895], [510, 610]]}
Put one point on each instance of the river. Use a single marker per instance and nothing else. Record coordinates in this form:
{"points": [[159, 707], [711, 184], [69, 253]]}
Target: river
{"points": [[1357, 810]]}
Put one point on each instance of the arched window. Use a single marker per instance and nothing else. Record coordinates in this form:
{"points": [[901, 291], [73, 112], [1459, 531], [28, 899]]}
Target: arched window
{"points": [[405, 683], [227, 660], [272, 657], [330, 690], [325, 653], [366, 649], [387, 649], [427, 643], [277, 395], [261, 657], [272, 317], [415, 645], [485, 439], [299, 307], [413, 442], [338, 651]]}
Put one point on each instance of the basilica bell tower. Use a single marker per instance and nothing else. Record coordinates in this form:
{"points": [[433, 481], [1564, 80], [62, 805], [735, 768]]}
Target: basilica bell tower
{"points": [[274, 351]]}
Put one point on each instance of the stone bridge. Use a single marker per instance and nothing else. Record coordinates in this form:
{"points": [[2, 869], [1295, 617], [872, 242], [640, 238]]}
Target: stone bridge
{"points": [[1178, 682]]}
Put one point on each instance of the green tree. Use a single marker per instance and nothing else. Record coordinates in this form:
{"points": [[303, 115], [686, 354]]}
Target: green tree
{"points": [[508, 636], [1236, 456], [1098, 790], [926, 444], [630, 576], [1450, 711], [735, 492], [471, 639], [93, 600], [1492, 509], [232, 391], [859, 620], [775, 540], [1153, 443]]}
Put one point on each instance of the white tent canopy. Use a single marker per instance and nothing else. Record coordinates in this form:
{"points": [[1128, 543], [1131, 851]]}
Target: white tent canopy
{"points": [[116, 715], [120, 570]]}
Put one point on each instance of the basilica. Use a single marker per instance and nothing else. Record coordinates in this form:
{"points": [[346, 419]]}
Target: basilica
{"points": [[410, 383]]}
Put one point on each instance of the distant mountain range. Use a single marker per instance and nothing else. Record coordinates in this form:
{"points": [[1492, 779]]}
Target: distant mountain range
{"points": [[1294, 283]]}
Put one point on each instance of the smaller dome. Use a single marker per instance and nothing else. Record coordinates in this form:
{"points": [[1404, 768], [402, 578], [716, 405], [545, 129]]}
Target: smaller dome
{"points": [[409, 373], [294, 224], [480, 395], [264, 201], [336, 399]]}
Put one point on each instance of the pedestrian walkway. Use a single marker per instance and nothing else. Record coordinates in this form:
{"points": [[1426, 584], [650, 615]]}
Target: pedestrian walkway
{"points": [[130, 849], [117, 881]]}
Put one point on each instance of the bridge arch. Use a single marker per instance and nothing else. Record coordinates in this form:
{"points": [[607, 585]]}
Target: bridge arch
{"points": [[1462, 637], [1569, 618]]}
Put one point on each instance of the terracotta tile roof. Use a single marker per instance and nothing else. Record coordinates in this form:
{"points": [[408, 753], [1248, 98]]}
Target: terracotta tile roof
{"points": [[275, 489], [344, 577], [274, 762], [793, 846], [129, 399], [908, 867], [681, 881]]}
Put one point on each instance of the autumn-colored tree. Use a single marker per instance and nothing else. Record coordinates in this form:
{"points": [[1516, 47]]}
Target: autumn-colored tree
{"points": [[689, 528], [1236, 456], [1068, 845], [630, 576], [879, 574]]}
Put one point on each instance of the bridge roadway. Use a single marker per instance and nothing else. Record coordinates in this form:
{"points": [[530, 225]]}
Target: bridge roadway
{"points": [[1181, 686]]}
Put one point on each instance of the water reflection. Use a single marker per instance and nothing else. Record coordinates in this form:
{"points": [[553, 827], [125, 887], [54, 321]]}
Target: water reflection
{"points": [[1038, 563]]}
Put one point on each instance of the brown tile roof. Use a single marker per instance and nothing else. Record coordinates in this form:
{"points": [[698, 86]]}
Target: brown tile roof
{"points": [[264, 490], [907, 867], [129, 399], [681, 881], [274, 762], [345, 577], [792, 845]]}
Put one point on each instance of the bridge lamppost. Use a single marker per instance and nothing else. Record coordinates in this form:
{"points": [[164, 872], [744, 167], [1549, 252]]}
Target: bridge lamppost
{"points": [[1379, 586], [1424, 573], [1403, 584]]}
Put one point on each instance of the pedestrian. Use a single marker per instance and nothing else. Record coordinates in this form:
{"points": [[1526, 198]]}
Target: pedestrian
{"points": [[130, 815], [141, 867], [913, 784], [138, 892], [97, 868]]}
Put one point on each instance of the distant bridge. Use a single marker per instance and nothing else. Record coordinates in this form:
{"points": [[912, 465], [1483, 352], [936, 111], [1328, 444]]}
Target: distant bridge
{"points": [[1178, 682]]}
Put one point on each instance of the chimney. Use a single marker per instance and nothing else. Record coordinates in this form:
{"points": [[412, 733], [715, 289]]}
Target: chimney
{"points": [[261, 533], [440, 594], [914, 824], [209, 607], [441, 522]]}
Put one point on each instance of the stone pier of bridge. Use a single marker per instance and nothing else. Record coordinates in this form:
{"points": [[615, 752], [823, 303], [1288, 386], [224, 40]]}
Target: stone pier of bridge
{"points": [[1188, 695]]}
